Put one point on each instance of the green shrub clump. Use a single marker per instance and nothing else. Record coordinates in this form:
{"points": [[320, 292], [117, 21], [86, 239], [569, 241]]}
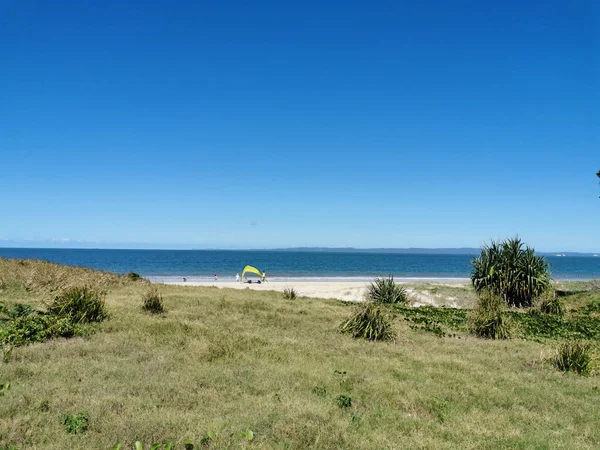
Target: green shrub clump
{"points": [[152, 301], [81, 304], [76, 423], [574, 356], [386, 290], [290, 294], [370, 323], [132, 276], [550, 303], [37, 327], [489, 319], [511, 271]]}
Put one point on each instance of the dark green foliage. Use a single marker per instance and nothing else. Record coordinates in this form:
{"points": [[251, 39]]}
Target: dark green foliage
{"points": [[152, 301], [386, 290], [19, 310], [76, 423], [550, 303], [290, 294], [344, 401], [8, 447], [511, 271], [133, 276], [37, 327], [574, 356], [81, 304], [370, 323], [489, 319]]}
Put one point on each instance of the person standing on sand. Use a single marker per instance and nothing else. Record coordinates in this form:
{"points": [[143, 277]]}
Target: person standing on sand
{"points": [[237, 277], [216, 277], [264, 276]]}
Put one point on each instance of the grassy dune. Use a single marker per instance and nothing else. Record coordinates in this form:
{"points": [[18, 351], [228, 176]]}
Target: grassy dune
{"points": [[229, 361]]}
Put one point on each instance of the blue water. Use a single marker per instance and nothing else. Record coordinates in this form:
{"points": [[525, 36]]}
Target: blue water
{"points": [[281, 265]]}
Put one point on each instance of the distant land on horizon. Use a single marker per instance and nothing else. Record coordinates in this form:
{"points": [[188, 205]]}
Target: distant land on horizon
{"points": [[408, 250]]}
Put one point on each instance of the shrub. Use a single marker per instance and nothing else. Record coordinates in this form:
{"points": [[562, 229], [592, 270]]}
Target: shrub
{"points": [[37, 327], [385, 290], [152, 301], [133, 276], [574, 356], [510, 271], [550, 303], [370, 323], [290, 294], [81, 304], [76, 423], [489, 319]]}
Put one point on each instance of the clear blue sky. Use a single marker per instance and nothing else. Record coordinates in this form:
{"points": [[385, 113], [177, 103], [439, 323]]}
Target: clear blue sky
{"points": [[267, 124]]}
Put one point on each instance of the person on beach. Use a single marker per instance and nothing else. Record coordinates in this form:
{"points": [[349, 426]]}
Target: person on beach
{"points": [[237, 277], [264, 276], [184, 280], [216, 277]]}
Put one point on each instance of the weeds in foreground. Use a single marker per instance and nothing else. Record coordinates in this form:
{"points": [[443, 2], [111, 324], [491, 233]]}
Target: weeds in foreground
{"points": [[290, 294], [386, 290], [574, 356], [81, 303], [370, 323], [489, 318], [76, 423], [152, 301]]}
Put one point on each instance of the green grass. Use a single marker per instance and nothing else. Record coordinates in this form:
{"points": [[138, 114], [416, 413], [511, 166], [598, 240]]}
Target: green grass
{"points": [[223, 363]]}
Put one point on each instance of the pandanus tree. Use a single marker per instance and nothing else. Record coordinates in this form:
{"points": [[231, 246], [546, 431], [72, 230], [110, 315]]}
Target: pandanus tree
{"points": [[511, 270]]}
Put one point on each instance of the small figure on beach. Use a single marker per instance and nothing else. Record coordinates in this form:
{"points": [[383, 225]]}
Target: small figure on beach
{"points": [[184, 279], [237, 277], [264, 276], [216, 277]]}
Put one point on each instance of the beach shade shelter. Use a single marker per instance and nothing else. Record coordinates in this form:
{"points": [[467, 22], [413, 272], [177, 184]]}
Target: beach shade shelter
{"points": [[252, 269]]}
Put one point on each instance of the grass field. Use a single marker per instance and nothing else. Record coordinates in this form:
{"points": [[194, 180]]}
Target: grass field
{"points": [[229, 361]]}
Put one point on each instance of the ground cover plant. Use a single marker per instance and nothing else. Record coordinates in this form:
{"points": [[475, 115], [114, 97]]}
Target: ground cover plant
{"points": [[511, 270], [290, 294], [231, 361]]}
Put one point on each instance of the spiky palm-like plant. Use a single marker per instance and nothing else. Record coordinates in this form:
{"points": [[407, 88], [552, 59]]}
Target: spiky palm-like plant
{"points": [[511, 270]]}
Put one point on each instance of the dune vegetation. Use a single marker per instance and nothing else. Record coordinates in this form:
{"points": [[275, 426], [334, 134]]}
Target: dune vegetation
{"points": [[218, 368]]}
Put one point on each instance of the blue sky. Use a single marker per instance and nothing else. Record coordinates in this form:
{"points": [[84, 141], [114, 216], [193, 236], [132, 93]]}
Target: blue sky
{"points": [[268, 124]]}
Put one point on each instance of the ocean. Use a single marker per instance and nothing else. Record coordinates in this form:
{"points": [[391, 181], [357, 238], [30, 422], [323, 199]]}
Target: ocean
{"points": [[201, 265]]}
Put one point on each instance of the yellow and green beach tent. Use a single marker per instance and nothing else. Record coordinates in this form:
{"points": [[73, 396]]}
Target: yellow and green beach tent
{"points": [[252, 269]]}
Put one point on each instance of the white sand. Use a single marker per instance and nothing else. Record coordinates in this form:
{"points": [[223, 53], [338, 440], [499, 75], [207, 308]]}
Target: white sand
{"points": [[341, 290], [353, 291]]}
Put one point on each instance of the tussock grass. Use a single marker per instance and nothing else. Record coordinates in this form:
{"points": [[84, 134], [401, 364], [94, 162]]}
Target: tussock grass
{"points": [[386, 290], [152, 301], [369, 322], [290, 294], [81, 304], [550, 303], [230, 361], [489, 318], [574, 356]]}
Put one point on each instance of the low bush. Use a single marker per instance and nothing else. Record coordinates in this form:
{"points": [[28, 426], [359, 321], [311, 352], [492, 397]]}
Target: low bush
{"points": [[386, 290], [344, 401], [550, 303], [290, 294], [370, 323], [489, 318], [76, 423], [132, 276], [574, 356], [81, 303], [37, 327], [152, 301]]}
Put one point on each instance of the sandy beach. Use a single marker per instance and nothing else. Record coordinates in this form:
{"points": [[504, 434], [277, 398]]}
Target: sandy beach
{"points": [[421, 293]]}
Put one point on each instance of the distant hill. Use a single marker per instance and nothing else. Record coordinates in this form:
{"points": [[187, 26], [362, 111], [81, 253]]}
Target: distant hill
{"points": [[412, 250]]}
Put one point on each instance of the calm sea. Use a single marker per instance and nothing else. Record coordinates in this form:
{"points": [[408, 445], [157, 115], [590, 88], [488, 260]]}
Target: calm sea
{"points": [[197, 265]]}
